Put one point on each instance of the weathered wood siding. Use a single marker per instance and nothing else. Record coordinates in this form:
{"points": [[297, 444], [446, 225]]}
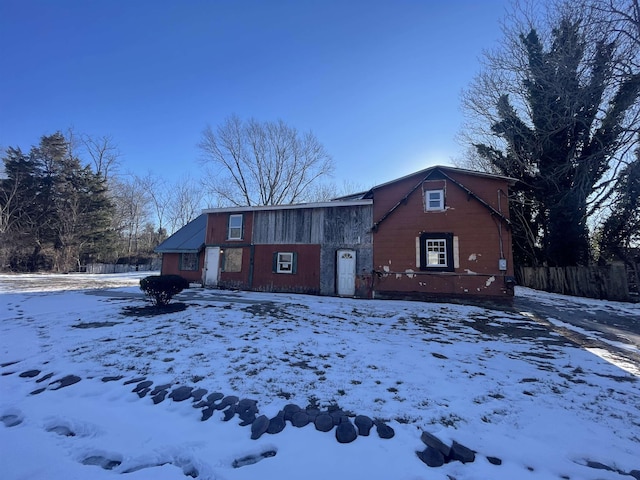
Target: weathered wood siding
{"points": [[303, 225], [347, 227]]}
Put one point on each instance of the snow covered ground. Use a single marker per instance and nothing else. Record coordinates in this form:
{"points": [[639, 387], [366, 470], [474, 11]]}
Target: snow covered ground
{"points": [[503, 385]]}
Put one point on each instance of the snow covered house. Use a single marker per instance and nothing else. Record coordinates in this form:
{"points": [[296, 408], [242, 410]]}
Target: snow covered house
{"points": [[441, 232]]}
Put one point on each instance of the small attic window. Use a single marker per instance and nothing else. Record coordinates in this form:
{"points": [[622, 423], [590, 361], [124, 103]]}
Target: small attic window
{"points": [[434, 200]]}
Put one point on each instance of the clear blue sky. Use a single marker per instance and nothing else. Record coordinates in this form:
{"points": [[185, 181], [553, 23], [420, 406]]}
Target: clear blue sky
{"points": [[378, 82]]}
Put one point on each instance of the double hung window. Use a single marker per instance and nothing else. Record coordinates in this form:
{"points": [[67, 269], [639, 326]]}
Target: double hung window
{"points": [[235, 227]]}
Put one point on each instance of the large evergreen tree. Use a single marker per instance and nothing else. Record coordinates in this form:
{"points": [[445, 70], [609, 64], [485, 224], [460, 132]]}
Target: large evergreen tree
{"points": [[54, 210], [560, 112]]}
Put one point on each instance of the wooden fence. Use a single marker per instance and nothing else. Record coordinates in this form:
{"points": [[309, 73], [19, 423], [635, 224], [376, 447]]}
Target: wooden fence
{"points": [[121, 268], [607, 283]]}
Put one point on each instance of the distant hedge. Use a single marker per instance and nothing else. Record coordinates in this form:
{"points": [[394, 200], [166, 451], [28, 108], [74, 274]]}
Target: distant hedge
{"points": [[160, 289]]}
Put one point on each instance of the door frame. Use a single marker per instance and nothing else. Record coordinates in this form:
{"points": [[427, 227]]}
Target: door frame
{"points": [[207, 279], [352, 284]]}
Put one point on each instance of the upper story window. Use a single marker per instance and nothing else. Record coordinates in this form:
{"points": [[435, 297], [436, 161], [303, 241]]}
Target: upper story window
{"points": [[235, 227], [434, 200]]}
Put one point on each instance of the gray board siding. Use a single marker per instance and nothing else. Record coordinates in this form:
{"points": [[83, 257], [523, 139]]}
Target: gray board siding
{"points": [[328, 225], [333, 228]]}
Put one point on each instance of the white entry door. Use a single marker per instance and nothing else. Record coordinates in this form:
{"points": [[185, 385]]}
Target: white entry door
{"points": [[211, 266], [346, 269]]}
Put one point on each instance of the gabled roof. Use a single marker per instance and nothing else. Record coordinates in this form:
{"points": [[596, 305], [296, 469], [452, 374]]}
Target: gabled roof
{"points": [[425, 173], [189, 239]]}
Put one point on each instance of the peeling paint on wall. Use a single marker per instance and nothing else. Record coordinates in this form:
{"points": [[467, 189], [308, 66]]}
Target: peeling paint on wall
{"points": [[473, 257], [490, 280], [470, 272], [410, 273]]}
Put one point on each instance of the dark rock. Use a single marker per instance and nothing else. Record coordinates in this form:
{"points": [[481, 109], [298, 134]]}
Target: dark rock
{"points": [[30, 374], [337, 416], [45, 377], [461, 453], [230, 412], [198, 394], [206, 413], [384, 430], [246, 417], [142, 386], [312, 413], [246, 405], [364, 425], [143, 393], [37, 391], [635, 474], [159, 397], [431, 456], [259, 426], [434, 442], [323, 422], [158, 388], [134, 380], [346, 432], [251, 459], [494, 460], [111, 379], [290, 410], [226, 401], [214, 397], [599, 466], [66, 381], [300, 419], [276, 424], [180, 394]]}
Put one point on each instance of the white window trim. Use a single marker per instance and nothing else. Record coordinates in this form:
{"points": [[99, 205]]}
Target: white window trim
{"points": [[443, 243], [280, 263], [231, 217], [427, 202]]}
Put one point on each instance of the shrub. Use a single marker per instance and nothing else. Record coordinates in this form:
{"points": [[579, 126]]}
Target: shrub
{"points": [[160, 289]]}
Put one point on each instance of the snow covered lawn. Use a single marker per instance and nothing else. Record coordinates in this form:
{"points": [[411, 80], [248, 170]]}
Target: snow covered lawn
{"points": [[499, 383]]}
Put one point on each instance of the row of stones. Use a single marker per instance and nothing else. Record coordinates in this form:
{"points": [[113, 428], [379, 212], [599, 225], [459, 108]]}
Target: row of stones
{"points": [[248, 413], [435, 454]]}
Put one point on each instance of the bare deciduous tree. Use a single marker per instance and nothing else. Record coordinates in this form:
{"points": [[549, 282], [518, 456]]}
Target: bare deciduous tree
{"points": [[261, 163], [185, 202], [104, 154]]}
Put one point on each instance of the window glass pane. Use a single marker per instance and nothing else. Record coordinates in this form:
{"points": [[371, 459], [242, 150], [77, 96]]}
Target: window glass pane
{"points": [[435, 200], [436, 252], [235, 227], [189, 261], [285, 262]]}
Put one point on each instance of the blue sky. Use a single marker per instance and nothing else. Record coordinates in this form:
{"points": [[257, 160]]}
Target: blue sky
{"points": [[378, 82]]}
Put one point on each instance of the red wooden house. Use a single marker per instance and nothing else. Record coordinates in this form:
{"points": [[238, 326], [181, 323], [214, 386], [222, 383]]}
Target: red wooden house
{"points": [[441, 232]]}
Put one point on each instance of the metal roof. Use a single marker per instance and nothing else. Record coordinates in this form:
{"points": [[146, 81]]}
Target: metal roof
{"points": [[189, 239]]}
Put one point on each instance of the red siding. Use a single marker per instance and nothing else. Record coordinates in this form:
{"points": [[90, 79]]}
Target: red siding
{"points": [[472, 223], [171, 266], [305, 280], [218, 227]]}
